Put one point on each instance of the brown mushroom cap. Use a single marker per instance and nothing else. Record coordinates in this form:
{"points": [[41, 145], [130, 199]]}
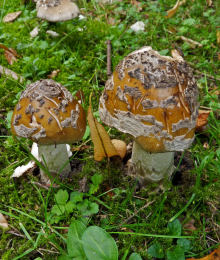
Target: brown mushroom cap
{"points": [[153, 98], [57, 10], [47, 113]]}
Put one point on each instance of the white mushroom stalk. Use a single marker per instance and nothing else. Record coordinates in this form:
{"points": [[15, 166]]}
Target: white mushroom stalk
{"points": [[55, 159], [151, 166], [154, 99]]}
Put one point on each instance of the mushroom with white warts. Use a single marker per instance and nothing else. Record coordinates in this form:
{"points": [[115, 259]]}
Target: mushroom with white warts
{"points": [[153, 98], [56, 10], [48, 114]]}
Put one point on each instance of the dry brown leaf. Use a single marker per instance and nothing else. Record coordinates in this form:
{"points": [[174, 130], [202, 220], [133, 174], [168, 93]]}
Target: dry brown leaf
{"points": [[10, 54], [215, 255], [209, 2], [216, 90], [206, 145], [108, 146], [202, 119], [218, 56], [189, 226], [137, 4], [3, 222], [10, 57], [101, 140], [53, 74], [111, 21], [10, 17], [218, 37], [172, 11], [99, 152], [80, 148]]}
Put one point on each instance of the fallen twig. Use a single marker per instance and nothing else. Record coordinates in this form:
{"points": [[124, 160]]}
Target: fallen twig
{"points": [[135, 213], [44, 186], [191, 42], [109, 61]]}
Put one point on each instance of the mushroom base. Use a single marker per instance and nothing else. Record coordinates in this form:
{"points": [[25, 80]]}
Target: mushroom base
{"points": [[55, 159], [151, 167]]}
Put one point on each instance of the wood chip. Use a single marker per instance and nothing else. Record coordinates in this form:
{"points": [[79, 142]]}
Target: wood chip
{"points": [[10, 17], [218, 37], [3, 222], [53, 74]]}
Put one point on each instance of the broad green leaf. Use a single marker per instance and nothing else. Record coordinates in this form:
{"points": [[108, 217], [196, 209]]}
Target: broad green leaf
{"points": [[88, 208], [175, 228], [156, 250], [96, 181], [74, 242], [99, 245], [176, 254], [184, 243], [135, 256], [189, 22], [43, 45], [70, 206], [76, 196], [61, 197], [58, 210], [64, 257]]}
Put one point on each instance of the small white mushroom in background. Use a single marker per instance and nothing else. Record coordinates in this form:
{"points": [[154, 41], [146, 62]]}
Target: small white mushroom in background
{"points": [[48, 114], [52, 33], [34, 32], [56, 10], [81, 17], [154, 99], [138, 26]]}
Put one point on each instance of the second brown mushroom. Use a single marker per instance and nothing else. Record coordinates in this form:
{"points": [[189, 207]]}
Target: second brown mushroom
{"points": [[154, 99]]}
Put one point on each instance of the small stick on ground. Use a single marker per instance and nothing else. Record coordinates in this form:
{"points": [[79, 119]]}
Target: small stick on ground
{"points": [[45, 186], [109, 61], [135, 213]]}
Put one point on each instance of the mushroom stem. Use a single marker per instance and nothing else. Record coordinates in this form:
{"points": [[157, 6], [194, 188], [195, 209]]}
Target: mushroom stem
{"points": [[56, 160], [151, 166]]}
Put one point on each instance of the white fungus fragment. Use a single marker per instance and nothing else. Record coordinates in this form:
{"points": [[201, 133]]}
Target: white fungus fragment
{"points": [[138, 26]]}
